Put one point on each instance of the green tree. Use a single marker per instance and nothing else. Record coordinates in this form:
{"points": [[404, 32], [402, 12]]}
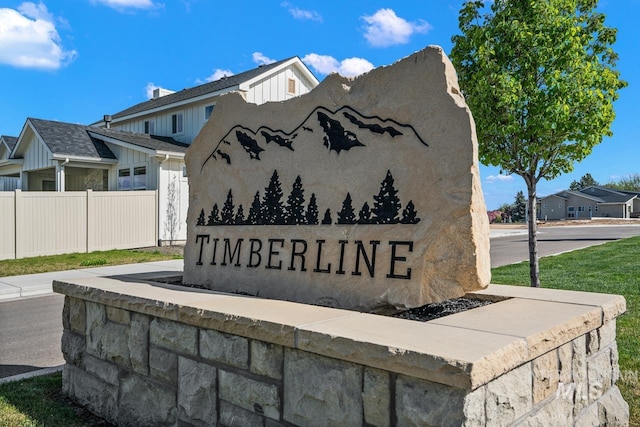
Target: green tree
{"points": [[540, 79], [519, 208], [586, 181], [629, 183]]}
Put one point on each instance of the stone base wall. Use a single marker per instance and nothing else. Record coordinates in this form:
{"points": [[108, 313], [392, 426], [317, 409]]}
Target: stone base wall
{"points": [[142, 369]]}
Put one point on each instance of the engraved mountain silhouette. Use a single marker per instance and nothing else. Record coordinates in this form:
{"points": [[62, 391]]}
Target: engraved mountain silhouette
{"points": [[341, 130]]}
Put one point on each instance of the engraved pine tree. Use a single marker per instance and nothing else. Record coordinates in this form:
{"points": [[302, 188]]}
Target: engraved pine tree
{"points": [[409, 214], [239, 220], [254, 211], [364, 216], [201, 218], [214, 216], [228, 210], [387, 204], [312, 211], [346, 214], [327, 217], [272, 210], [295, 204]]}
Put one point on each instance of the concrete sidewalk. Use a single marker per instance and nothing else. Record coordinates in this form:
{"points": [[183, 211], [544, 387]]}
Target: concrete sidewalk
{"points": [[12, 287]]}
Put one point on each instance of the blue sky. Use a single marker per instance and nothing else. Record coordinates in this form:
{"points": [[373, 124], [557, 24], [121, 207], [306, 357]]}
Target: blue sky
{"points": [[76, 60]]}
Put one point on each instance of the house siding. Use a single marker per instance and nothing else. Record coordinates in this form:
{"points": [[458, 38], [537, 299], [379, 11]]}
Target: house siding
{"points": [[36, 156], [274, 88], [552, 208]]}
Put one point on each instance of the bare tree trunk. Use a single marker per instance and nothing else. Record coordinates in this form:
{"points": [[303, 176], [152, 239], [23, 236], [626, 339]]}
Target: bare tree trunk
{"points": [[534, 268]]}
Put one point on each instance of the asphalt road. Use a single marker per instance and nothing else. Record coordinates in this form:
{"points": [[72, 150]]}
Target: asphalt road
{"points": [[31, 329], [30, 334], [514, 248]]}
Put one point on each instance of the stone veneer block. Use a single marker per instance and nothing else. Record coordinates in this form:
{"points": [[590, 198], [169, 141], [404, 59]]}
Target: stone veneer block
{"points": [[77, 315], [521, 318], [599, 373], [321, 392], [231, 415], [196, 392], [580, 379], [266, 359], [224, 348], [607, 333], [376, 397], [105, 371], [558, 412], [420, 402], [73, 347], [92, 393], [565, 367], [163, 365], [612, 409], [174, 336], [546, 375], [118, 315], [509, 397], [252, 395], [353, 145], [139, 343], [145, 403]]}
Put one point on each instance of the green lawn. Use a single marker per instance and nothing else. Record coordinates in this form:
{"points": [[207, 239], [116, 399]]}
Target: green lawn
{"points": [[44, 264], [612, 268]]}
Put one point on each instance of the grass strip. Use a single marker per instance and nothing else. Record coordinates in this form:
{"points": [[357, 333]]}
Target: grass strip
{"points": [[45, 264], [38, 401]]}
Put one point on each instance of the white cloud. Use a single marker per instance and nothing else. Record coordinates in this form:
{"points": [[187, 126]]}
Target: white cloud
{"points": [[302, 14], [218, 73], [261, 59], [384, 28], [492, 179], [29, 39], [122, 5], [325, 64], [149, 89]]}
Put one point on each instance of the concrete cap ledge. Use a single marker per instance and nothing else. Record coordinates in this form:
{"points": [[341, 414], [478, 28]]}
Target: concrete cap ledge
{"points": [[464, 350]]}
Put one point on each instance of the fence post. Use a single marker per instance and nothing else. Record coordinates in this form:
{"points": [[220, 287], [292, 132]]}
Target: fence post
{"points": [[18, 223], [89, 221]]}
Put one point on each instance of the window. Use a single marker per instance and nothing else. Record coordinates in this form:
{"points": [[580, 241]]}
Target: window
{"points": [[596, 208], [132, 178], [149, 127], [291, 89], [571, 209], [207, 112], [124, 179], [184, 171], [580, 208], [176, 123], [139, 177]]}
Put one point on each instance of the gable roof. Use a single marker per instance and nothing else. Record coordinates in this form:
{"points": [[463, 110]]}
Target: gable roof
{"points": [[67, 139], [604, 195], [10, 141], [204, 89], [608, 195], [151, 142], [89, 143]]}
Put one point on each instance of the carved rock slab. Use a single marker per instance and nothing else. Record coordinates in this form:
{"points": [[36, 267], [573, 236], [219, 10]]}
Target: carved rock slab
{"points": [[362, 194]]}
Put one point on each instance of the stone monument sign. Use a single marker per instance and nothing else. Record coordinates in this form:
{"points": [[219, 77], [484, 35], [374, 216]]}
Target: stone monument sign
{"points": [[361, 194]]}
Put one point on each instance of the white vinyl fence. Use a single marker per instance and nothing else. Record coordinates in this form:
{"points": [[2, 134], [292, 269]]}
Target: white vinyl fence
{"points": [[37, 223]]}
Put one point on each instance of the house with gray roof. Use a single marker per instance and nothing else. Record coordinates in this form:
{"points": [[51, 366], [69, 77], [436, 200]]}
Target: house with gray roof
{"points": [[590, 202], [181, 114], [141, 147]]}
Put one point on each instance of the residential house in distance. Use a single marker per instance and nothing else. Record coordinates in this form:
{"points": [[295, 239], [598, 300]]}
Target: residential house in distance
{"points": [[590, 202], [141, 147]]}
